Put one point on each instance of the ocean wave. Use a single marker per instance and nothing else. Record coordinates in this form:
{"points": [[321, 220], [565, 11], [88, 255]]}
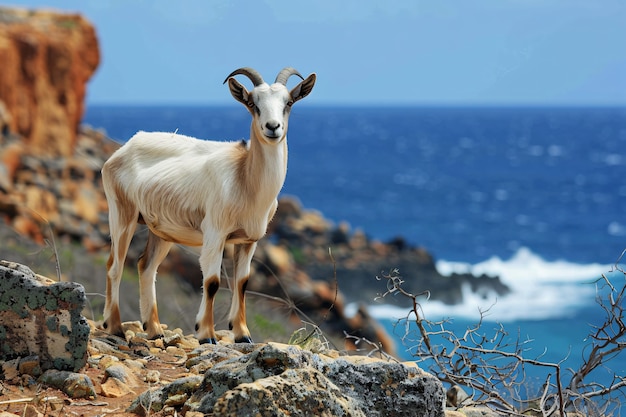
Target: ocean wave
{"points": [[526, 267], [540, 290]]}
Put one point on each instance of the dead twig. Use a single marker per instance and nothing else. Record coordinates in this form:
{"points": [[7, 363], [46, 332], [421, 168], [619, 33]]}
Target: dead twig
{"points": [[493, 368]]}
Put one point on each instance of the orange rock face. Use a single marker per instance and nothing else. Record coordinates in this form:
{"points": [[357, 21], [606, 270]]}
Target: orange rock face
{"points": [[46, 59]]}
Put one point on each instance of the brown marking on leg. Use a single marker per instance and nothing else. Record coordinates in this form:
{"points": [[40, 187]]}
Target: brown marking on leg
{"points": [[206, 327], [240, 328], [114, 323], [153, 325]]}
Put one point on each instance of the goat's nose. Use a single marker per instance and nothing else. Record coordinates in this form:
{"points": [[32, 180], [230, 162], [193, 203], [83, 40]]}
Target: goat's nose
{"points": [[272, 125]]}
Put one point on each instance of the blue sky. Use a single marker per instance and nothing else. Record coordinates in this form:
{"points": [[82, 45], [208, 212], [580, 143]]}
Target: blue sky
{"points": [[426, 52]]}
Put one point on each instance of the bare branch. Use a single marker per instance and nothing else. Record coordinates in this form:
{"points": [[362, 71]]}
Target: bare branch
{"points": [[493, 368]]}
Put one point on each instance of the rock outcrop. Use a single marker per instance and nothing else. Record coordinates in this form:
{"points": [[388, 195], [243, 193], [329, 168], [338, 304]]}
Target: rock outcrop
{"points": [[47, 59], [41, 318]]}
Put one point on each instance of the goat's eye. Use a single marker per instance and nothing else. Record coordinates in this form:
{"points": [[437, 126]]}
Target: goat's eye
{"points": [[251, 105], [290, 103]]}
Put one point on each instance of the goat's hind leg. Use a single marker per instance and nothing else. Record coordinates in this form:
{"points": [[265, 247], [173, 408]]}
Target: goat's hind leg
{"points": [[156, 250], [122, 227]]}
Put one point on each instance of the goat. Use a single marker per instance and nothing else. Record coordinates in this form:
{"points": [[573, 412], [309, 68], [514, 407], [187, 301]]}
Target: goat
{"points": [[200, 193]]}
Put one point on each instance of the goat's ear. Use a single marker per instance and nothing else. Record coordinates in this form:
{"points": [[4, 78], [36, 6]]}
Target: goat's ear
{"points": [[239, 92], [303, 89]]}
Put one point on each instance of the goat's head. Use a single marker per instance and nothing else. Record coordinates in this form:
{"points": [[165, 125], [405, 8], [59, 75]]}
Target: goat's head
{"points": [[269, 104]]}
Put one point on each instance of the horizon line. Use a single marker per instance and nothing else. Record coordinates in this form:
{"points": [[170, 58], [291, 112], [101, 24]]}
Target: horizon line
{"points": [[399, 104]]}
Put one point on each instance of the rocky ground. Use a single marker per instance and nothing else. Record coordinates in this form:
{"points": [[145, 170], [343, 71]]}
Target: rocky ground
{"points": [[166, 377]]}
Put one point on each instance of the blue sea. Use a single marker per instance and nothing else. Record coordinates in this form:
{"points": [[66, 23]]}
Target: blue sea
{"points": [[536, 196]]}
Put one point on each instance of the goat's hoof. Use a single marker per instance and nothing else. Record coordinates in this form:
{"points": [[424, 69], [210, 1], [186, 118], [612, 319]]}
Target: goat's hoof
{"points": [[113, 330], [154, 331], [209, 340], [244, 339]]}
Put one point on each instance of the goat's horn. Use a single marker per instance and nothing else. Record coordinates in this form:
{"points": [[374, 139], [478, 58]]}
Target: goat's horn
{"points": [[253, 74], [285, 73]]}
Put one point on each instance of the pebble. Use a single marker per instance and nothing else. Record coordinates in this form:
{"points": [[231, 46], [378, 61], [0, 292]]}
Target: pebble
{"points": [[153, 376]]}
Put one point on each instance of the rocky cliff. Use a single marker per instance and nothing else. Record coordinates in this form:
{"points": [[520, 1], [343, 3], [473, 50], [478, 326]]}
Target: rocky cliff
{"points": [[46, 60]]}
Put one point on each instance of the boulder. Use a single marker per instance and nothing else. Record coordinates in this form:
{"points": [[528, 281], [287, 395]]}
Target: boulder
{"points": [[41, 317]]}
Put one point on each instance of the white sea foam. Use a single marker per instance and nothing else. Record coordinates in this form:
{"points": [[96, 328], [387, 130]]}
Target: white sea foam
{"points": [[540, 289]]}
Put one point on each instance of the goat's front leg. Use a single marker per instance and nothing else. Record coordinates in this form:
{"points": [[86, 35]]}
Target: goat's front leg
{"points": [[210, 263], [237, 316]]}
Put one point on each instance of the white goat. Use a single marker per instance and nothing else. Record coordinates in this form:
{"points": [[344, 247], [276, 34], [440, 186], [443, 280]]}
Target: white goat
{"points": [[200, 193]]}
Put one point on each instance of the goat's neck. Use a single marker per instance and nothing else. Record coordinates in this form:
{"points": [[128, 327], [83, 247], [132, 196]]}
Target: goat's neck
{"points": [[265, 167]]}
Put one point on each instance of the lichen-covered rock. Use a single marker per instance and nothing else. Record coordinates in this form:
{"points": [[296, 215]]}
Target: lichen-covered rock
{"points": [[41, 317]]}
